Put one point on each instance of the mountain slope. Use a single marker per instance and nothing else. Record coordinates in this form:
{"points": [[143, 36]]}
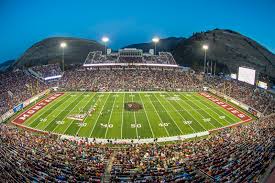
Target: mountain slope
{"points": [[167, 44], [49, 51], [230, 49], [6, 66]]}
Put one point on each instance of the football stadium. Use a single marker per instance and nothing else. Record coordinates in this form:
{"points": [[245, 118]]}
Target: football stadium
{"points": [[197, 109]]}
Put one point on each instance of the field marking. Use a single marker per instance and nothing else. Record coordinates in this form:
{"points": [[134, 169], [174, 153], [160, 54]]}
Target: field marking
{"points": [[194, 118], [202, 108], [181, 115], [203, 117], [121, 123], [233, 110], [222, 111], [52, 115], [102, 107], [218, 107], [169, 115], [159, 117], [59, 113], [86, 116], [63, 132], [148, 121], [53, 104], [80, 102], [135, 119], [114, 101], [207, 113]]}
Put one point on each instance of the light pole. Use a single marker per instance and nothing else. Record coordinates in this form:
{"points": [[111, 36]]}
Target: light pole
{"points": [[205, 47], [155, 40], [63, 45], [105, 40]]}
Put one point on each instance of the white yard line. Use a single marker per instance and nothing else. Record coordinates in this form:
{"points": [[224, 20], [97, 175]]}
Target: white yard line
{"points": [[99, 115], [60, 112], [86, 116], [159, 117], [199, 114], [207, 113], [110, 117], [63, 132], [218, 107], [44, 112], [181, 114], [135, 118], [169, 115], [216, 113], [72, 119], [147, 117], [191, 115], [121, 126]]}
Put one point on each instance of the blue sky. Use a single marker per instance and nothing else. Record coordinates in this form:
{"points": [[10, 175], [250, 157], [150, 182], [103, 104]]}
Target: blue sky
{"points": [[24, 22]]}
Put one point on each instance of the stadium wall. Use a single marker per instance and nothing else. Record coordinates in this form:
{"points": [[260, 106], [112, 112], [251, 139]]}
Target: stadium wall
{"points": [[22, 105]]}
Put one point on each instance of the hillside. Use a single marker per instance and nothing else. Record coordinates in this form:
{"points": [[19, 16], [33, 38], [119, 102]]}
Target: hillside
{"points": [[230, 49], [49, 51], [6, 66], [167, 44]]}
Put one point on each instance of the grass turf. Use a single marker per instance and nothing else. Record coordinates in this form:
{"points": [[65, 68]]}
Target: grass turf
{"points": [[163, 114]]}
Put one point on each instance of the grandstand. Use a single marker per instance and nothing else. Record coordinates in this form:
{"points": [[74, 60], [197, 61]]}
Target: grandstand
{"points": [[131, 56], [131, 116]]}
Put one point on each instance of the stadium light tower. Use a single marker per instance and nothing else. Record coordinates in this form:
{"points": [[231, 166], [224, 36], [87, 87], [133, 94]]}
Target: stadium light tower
{"points": [[63, 45], [205, 48], [155, 40], [105, 40]]}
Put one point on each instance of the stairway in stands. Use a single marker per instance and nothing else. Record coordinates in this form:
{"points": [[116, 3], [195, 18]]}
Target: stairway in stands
{"points": [[107, 174]]}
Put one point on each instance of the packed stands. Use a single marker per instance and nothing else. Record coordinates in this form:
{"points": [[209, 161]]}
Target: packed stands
{"points": [[128, 80], [255, 97], [29, 157], [129, 56], [239, 154], [16, 87], [47, 71]]}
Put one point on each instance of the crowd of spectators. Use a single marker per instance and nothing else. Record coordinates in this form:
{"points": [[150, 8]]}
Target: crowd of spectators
{"points": [[16, 87], [127, 80], [97, 57], [255, 97], [29, 157], [239, 154], [49, 70]]}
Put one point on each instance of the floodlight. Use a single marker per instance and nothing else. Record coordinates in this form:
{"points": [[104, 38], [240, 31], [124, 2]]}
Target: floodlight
{"points": [[155, 39], [205, 47], [105, 39], [63, 45]]}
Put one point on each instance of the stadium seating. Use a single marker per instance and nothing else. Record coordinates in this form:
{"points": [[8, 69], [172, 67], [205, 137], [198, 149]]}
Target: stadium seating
{"points": [[16, 87], [246, 93], [45, 71], [239, 154]]}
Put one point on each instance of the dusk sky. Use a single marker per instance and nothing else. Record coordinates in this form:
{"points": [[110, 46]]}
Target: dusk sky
{"points": [[25, 22]]}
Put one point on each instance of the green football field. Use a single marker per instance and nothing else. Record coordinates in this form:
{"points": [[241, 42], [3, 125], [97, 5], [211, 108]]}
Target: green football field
{"points": [[129, 115]]}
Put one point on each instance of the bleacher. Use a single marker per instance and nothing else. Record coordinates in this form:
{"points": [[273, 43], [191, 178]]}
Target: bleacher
{"points": [[129, 56]]}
